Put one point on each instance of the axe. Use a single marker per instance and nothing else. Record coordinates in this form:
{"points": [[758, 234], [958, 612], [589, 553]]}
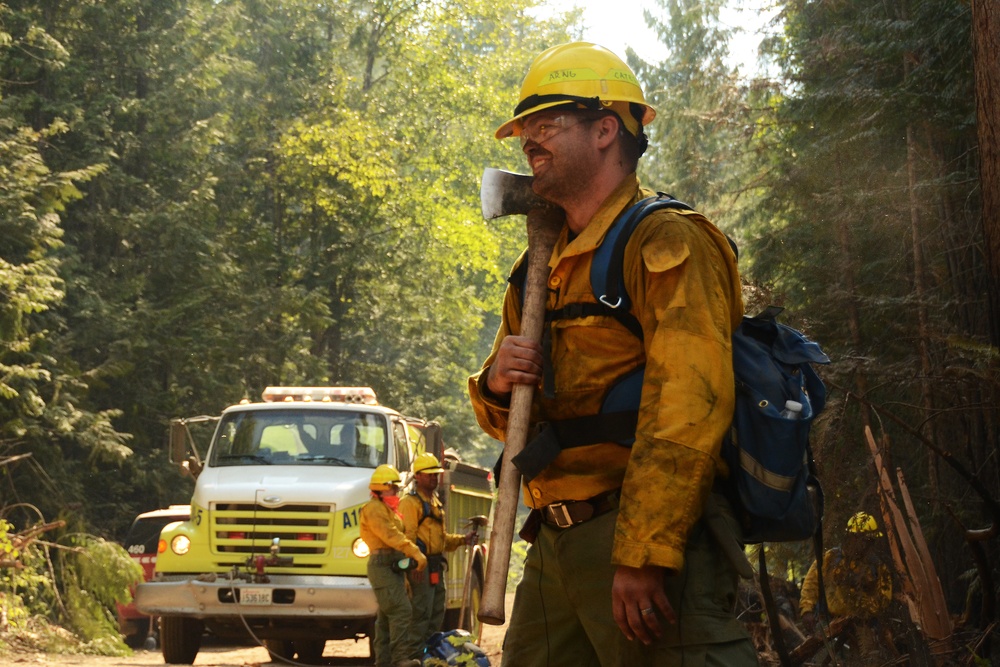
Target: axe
{"points": [[505, 193]]}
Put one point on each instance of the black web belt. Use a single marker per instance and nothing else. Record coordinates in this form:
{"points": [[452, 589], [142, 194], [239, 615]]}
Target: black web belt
{"points": [[569, 513]]}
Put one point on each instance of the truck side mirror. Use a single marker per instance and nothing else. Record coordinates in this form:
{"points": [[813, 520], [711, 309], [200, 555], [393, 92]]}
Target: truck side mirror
{"points": [[435, 442], [178, 442]]}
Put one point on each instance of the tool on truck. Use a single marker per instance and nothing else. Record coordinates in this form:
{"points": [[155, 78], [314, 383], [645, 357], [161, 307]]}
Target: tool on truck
{"points": [[272, 549]]}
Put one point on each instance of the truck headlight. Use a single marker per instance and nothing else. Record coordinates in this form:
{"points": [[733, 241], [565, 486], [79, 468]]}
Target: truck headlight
{"points": [[360, 549], [180, 545]]}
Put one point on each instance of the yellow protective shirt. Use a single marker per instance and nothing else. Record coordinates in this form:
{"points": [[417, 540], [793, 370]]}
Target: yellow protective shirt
{"points": [[381, 528], [853, 587], [681, 275], [430, 531]]}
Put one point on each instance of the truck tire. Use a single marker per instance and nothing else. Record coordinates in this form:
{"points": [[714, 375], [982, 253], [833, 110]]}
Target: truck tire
{"points": [[180, 639], [471, 621], [310, 651]]}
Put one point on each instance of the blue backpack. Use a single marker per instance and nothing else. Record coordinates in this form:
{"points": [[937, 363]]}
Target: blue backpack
{"points": [[772, 485], [454, 648]]}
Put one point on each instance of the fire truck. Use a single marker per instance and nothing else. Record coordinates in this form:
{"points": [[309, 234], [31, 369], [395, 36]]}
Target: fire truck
{"points": [[272, 549]]}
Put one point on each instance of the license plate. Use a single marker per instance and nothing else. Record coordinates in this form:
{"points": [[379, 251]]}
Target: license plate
{"points": [[255, 596]]}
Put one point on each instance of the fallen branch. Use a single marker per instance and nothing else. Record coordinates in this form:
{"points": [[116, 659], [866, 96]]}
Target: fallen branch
{"points": [[808, 648], [21, 540], [11, 459]]}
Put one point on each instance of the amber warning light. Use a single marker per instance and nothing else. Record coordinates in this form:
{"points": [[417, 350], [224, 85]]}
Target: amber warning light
{"points": [[365, 395]]}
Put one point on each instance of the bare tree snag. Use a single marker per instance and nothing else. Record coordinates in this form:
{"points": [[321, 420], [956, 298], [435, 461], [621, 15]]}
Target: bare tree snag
{"points": [[936, 592], [911, 566]]}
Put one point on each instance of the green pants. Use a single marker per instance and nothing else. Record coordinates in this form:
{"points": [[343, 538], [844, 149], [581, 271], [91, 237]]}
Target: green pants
{"points": [[428, 606], [562, 613], [392, 642]]}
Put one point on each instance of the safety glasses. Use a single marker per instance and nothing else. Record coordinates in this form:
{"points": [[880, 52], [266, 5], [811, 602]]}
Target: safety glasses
{"points": [[541, 128]]}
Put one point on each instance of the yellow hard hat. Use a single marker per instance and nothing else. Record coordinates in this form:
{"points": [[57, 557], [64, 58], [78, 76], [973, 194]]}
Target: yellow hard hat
{"points": [[862, 522], [427, 462], [384, 476], [589, 75]]}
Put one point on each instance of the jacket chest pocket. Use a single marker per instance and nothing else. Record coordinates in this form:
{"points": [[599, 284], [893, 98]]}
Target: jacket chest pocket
{"points": [[588, 354]]}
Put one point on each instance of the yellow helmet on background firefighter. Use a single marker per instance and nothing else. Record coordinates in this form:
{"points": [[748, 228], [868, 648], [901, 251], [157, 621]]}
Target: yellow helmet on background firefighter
{"points": [[384, 477], [586, 74], [864, 524], [427, 463]]}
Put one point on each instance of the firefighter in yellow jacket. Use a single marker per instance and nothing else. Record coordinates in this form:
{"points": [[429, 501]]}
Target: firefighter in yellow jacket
{"points": [[625, 568], [856, 582], [423, 522], [382, 530]]}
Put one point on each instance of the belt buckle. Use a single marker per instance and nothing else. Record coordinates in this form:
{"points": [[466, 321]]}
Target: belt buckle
{"points": [[559, 514]]}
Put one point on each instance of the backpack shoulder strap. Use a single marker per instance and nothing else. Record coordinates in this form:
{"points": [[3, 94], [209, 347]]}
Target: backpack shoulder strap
{"points": [[428, 512], [607, 278]]}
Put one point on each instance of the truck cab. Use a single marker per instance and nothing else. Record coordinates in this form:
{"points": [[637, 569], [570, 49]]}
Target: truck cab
{"points": [[272, 548]]}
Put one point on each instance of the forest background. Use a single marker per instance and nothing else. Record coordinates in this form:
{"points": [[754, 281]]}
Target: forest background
{"points": [[201, 198]]}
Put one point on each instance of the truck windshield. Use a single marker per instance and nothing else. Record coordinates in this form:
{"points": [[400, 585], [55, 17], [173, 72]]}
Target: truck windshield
{"points": [[300, 437]]}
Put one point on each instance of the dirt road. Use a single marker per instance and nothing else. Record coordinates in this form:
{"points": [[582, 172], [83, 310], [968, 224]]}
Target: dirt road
{"points": [[344, 654], [341, 653]]}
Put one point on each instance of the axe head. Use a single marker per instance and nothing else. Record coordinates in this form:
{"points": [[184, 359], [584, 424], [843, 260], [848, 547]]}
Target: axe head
{"points": [[506, 193]]}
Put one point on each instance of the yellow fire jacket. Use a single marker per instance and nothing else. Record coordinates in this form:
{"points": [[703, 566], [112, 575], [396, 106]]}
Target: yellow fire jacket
{"points": [[381, 528], [853, 587], [681, 275], [430, 531]]}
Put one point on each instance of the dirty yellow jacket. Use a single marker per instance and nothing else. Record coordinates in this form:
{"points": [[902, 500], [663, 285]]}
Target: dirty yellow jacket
{"points": [[853, 588], [681, 275], [430, 531], [381, 528]]}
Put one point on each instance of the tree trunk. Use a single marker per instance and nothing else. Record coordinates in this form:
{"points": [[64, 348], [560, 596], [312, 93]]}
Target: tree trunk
{"points": [[848, 272], [920, 291], [985, 50]]}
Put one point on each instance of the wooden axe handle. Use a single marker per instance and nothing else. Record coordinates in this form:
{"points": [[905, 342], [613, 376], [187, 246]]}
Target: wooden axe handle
{"points": [[544, 225]]}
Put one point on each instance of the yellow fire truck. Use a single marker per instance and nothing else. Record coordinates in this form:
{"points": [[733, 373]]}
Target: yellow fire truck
{"points": [[272, 549]]}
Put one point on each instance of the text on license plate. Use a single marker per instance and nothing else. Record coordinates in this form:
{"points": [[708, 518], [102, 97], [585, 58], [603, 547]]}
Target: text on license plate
{"points": [[255, 596]]}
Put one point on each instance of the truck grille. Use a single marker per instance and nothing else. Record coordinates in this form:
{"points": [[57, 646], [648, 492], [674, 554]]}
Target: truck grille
{"points": [[248, 529]]}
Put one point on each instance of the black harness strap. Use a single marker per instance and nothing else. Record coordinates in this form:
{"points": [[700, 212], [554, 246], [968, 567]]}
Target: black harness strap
{"points": [[608, 286], [556, 436]]}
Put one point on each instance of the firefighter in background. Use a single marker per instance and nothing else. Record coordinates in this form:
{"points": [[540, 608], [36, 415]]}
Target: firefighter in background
{"points": [[857, 581], [381, 528], [423, 521]]}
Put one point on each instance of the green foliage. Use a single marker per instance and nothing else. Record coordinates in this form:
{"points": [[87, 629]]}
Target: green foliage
{"points": [[91, 577], [698, 141], [41, 387], [26, 590], [95, 575], [243, 194], [518, 552], [199, 199], [868, 203]]}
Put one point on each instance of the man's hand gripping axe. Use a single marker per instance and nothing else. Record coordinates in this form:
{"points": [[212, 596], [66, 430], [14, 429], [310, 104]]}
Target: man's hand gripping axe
{"points": [[505, 193]]}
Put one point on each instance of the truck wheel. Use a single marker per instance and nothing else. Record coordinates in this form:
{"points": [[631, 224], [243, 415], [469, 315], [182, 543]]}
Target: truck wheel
{"points": [[180, 639], [280, 648], [310, 650]]}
